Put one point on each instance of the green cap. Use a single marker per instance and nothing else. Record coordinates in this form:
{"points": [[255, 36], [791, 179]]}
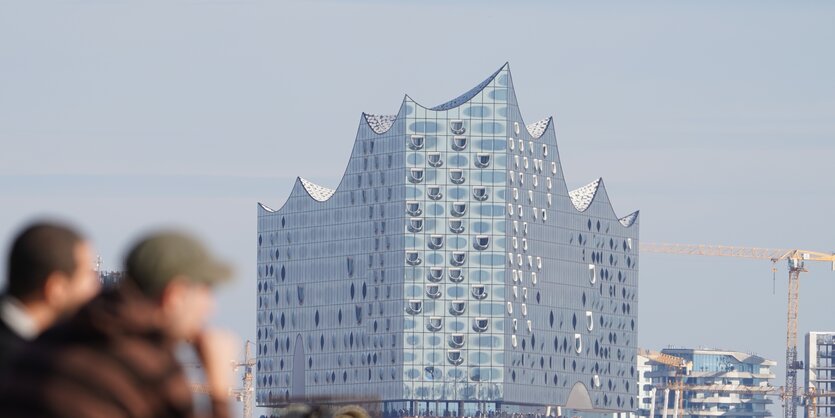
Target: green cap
{"points": [[161, 256]]}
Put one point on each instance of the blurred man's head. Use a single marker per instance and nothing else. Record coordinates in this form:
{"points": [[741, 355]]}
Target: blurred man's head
{"points": [[51, 266], [178, 272]]}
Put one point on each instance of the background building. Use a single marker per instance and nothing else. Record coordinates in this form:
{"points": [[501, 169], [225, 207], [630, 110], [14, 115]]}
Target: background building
{"points": [[450, 270], [820, 372], [715, 383]]}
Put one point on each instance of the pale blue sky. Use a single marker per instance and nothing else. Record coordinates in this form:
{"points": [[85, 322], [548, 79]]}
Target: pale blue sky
{"points": [[715, 119]]}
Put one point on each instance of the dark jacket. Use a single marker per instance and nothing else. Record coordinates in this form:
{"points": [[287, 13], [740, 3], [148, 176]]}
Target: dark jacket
{"points": [[10, 345], [111, 360]]}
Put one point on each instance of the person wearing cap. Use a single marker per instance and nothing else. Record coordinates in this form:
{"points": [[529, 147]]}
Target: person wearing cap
{"points": [[49, 276], [116, 356]]}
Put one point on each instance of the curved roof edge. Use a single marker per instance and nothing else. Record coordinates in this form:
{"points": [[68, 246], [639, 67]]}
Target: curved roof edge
{"points": [[539, 127], [630, 219], [380, 124], [265, 207], [582, 197], [467, 96], [315, 191]]}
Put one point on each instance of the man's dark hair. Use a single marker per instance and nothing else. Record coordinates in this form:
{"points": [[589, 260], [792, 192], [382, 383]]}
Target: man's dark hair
{"points": [[38, 251]]}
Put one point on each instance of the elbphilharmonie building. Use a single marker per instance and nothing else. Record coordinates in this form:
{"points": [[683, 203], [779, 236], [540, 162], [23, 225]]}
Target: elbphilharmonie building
{"points": [[450, 271]]}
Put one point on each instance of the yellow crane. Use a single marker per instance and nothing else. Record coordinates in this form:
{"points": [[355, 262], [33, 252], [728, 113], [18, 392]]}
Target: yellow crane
{"points": [[812, 396], [796, 260]]}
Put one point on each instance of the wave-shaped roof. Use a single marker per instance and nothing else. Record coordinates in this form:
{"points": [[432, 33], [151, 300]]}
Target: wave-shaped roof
{"points": [[583, 196], [537, 128], [464, 98], [380, 123], [628, 220], [317, 192]]}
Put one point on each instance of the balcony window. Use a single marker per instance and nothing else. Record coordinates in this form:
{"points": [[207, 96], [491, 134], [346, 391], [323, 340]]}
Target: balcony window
{"points": [[533, 278], [482, 160], [515, 242], [548, 198], [589, 321], [457, 307], [480, 193], [416, 142], [414, 307], [458, 209], [434, 159], [548, 183], [511, 176], [509, 308], [516, 127], [515, 324], [415, 224], [455, 275], [515, 276], [530, 261], [515, 292], [535, 180], [481, 242], [592, 274], [433, 291], [434, 323], [478, 291], [436, 242], [434, 192], [578, 343], [515, 194], [525, 228], [454, 357], [459, 143], [521, 146], [456, 226], [413, 208], [457, 127], [529, 326], [456, 340], [480, 324], [413, 258], [525, 162], [521, 179], [539, 263], [510, 144], [544, 150], [530, 195], [544, 215], [458, 258], [516, 162], [456, 176], [530, 147], [513, 341], [524, 293], [415, 175], [435, 274], [553, 167], [510, 209], [524, 310]]}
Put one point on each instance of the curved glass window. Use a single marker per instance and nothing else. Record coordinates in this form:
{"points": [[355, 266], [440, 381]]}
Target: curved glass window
{"points": [[480, 193], [454, 357], [457, 307], [516, 127], [455, 275], [415, 224], [413, 208], [456, 226], [414, 306], [510, 144], [458, 258], [435, 274], [458, 209], [480, 324], [415, 175], [416, 142], [592, 274], [434, 323], [510, 308], [481, 242], [434, 192], [459, 142], [478, 291], [436, 241], [482, 160], [434, 159], [413, 258], [578, 343], [456, 340], [457, 126], [456, 176]]}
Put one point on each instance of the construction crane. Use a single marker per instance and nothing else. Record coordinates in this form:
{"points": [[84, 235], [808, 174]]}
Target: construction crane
{"points": [[796, 260], [682, 368], [243, 394]]}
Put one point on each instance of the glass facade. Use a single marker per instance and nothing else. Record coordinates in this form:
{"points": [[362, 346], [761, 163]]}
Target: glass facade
{"points": [[450, 270]]}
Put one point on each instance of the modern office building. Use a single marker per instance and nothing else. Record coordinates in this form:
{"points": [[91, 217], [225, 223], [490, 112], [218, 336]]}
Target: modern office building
{"points": [[715, 383], [450, 271], [820, 373], [646, 392]]}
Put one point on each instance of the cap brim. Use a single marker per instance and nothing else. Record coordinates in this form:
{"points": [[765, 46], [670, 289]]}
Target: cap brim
{"points": [[214, 273]]}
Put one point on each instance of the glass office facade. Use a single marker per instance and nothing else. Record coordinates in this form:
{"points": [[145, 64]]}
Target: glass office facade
{"points": [[450, 270]]}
